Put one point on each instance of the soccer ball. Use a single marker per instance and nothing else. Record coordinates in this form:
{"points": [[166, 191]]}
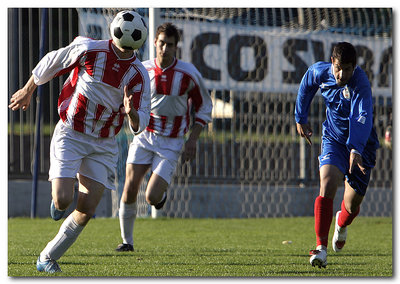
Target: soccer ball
{"points": [[128, 30]]}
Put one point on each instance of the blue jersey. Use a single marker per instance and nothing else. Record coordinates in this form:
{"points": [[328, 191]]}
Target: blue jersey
{"points": [[349, 109]]}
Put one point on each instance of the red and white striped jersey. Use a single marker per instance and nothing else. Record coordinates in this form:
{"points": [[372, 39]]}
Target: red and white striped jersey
{"points": [[91, 100], [173, 91]]}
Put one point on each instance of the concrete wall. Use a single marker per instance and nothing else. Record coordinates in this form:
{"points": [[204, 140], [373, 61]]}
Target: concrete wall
{"points": [[222, 201], [19, 200]]}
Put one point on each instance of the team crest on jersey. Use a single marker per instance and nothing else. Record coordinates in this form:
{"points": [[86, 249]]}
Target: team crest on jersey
{"points": [[346, 93]]}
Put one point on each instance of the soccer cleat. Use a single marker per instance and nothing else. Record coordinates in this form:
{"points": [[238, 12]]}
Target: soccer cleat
{"points": [[339, 236], [160, 204], [55, 214], [318, 258], [124, 247], [50, 266]]}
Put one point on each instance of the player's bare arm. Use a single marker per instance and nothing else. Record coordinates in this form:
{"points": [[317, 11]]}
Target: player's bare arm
{"points": [[22, 97], [305, 131], [130, 110], [189, 152], [356, 160]]}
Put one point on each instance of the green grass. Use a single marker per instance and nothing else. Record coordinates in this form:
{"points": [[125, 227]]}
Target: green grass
{"points": [[204, 247]]}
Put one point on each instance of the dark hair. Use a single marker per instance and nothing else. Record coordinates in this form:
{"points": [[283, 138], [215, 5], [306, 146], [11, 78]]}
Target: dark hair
{"points": [[169, 29], [345, 53]]}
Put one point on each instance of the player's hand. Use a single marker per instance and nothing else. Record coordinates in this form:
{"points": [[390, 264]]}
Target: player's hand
{"points": [[189, 152], [20, 99], [129, 108], [305, 131], [356, 160], [128, 100]]}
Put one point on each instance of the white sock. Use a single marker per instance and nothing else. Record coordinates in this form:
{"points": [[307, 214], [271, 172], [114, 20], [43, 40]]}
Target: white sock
{"points": [[68, 233], [127, 216]]}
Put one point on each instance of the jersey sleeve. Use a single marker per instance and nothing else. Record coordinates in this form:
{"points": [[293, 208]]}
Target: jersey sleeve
{"points": [[360, 119], [201, 99], [58, 62], [308, 87]]}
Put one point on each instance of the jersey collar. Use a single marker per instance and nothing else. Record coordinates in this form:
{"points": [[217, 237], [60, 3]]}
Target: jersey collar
{"points": [[172, 65]]}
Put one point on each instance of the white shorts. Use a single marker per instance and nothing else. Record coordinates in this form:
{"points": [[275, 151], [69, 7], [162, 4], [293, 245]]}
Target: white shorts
{"points": [[161, 152], [72, 152]]}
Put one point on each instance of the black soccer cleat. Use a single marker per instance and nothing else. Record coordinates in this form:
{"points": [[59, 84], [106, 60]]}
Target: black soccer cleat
{"points": [[124, 247], [160, 204]]}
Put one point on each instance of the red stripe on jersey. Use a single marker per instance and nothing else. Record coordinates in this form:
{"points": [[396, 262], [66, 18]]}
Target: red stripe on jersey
{"points": [[105, 131], [163, 122], [164, 79], [202, 122], [176, 126], [114, 70], [163, 83], [150, 126], [137, 79], [120, 121], [90, 62], [99, 111], [184, 84], [80, 113], [137, 96], [66, 92], [195, 95]]}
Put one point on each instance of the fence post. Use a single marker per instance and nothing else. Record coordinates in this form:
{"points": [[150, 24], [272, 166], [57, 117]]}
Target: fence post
{"points": [[43, 33]]}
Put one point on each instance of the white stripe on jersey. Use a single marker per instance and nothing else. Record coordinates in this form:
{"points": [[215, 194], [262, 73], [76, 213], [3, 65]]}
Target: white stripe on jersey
{"points": [[100, 62]]}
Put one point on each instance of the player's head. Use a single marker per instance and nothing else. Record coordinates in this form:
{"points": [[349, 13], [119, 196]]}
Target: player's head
{"points": [[344, 58], [166, 41], [170, 30]]}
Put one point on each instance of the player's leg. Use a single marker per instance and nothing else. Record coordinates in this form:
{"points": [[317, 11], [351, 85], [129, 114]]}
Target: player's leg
{"points": [[164, 165], [62, 192], [90, 194], [355, 189], [156, 191], [128, 206], [140, 157], [330, 178]]}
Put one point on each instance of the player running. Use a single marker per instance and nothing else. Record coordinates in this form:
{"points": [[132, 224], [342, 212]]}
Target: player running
{"points": [[176, 87], [349, 142], [105, 82]]}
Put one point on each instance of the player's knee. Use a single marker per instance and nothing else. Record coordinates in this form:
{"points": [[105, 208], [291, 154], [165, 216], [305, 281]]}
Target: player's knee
{"points": [[153, 199], [82, 218], [328, 188], [62, 202], [130, 192], [352, 208]]}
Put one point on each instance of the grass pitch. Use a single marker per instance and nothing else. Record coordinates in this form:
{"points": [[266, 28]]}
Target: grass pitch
{"points": [[204, 248]]}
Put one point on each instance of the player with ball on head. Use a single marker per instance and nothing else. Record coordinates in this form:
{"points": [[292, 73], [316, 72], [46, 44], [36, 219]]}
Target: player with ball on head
{"points": [[106, 83], [349, 142]]}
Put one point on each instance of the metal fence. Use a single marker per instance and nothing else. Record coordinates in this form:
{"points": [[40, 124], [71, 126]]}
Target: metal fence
{"points": [[252, 142]]}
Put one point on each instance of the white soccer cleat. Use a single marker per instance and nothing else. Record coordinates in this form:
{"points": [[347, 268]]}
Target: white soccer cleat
{"points": [[339, 236], [318, 258]]}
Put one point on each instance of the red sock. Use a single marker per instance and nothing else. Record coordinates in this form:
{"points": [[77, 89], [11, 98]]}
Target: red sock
{"points": [[345, 218], [323, 213]]}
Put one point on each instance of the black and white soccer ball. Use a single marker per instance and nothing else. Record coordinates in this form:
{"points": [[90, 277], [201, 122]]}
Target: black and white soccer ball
{"points": [[128, 30]]}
